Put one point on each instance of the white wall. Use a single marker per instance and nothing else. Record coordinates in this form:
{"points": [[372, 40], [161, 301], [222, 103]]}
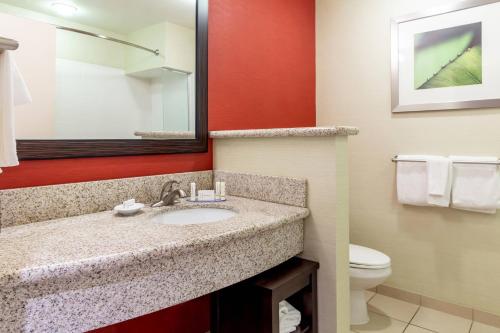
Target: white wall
{"points": [[176, 101], [157, 118], [36, 59], [102, 102], [173, 101], [442, 253]]}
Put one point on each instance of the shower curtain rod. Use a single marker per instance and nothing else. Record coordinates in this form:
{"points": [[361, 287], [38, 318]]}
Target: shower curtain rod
{"points": [[155, 52]]}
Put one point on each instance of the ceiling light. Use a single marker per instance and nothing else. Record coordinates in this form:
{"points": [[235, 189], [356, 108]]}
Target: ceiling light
{"points": [[63, 8]]}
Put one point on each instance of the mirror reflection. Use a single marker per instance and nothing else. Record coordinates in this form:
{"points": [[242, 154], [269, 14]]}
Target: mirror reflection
{"points": [[114, 69]]}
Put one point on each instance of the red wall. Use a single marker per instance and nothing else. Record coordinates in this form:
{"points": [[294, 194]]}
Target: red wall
{"points": [[261, 75], [191, 317], [49, 172], [262, 64]]}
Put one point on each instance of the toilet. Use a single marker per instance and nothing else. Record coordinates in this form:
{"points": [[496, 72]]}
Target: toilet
{"points": [[367, 269]]}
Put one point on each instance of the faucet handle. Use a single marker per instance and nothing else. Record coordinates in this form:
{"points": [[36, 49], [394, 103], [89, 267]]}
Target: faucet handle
{"points": [[167, 187]]}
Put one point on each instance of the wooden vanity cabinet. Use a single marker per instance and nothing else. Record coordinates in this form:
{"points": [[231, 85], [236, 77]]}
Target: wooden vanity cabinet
{"points": [[252, 306]]}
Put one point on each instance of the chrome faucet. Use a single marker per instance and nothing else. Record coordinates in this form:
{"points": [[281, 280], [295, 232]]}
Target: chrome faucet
{"points": [[168, 197]]}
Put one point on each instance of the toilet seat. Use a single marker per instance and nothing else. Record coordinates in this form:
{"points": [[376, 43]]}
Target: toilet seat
{"points": [[365, 258]]}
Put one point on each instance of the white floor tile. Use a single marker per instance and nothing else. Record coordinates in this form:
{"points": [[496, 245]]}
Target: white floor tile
{"points": [[483, 328], [441, 322], [416, 329], [380, 324], [392, 307]]}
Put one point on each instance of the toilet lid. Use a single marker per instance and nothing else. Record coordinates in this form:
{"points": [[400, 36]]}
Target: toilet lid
{"points": [[364, 257]]}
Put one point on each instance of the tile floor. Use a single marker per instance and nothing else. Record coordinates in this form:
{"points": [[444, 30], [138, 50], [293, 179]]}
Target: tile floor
{"points": [[390, 315]]}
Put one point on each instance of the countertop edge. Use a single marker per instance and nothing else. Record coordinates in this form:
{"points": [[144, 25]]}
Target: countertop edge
{"points": [[165, 283], [286, 132]]}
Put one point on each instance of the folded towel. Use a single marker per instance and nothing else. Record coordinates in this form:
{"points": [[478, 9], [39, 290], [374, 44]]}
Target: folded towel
{"points": [[439, 180], [290, 321], [283, 309], [412, 180], [287, 329], [13, 92], [289, 317], [476, 187]]}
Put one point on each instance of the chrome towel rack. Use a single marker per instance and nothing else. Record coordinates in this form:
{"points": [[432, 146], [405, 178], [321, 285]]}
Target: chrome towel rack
{"points": [[396, 159], [8, 44]]}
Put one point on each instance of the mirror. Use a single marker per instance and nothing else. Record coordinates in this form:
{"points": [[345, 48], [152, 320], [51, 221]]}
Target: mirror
{"points": [[109, 71]]}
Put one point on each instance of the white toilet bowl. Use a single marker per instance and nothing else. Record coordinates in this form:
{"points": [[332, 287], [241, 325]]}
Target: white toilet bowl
{"points": [[367, 269]]}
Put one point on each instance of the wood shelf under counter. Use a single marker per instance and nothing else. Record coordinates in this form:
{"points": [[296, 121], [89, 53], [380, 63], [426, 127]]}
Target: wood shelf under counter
{"points": [[252, 306]]}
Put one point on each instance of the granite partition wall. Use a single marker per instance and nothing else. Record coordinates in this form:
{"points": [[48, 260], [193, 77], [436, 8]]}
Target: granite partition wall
{"points": [[35, 204], [283, 190]]}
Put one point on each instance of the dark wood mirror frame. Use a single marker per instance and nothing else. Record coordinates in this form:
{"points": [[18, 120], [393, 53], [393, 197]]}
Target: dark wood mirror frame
{"points": [[54, 149]]}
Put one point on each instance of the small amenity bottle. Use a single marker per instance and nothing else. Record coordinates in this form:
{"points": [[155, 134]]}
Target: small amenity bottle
{"points": [[217, 190], [223, 190], [193, 191]]}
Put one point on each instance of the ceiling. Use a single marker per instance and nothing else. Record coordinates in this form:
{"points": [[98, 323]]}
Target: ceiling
{"points": [[121, 16]]}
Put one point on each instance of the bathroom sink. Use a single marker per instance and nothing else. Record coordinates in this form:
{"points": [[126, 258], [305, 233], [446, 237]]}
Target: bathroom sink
{"points": [[194, 216]]}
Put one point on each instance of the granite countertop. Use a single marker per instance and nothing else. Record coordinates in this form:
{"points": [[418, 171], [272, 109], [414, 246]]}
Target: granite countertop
{"points": [[66, 248], [286, 132]]}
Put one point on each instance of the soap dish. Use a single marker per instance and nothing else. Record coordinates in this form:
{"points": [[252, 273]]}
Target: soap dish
{"points": [[128, 210], [206, 201]]}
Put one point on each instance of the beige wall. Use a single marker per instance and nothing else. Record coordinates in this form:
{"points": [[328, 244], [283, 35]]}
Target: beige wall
{"points": [[90, 50], [36, 41], [323, 162], [177, 46], [180, 47], [443, 253]]}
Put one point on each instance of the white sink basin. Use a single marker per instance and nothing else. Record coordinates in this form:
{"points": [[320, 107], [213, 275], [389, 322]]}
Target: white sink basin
{"points": [[194, 216]]}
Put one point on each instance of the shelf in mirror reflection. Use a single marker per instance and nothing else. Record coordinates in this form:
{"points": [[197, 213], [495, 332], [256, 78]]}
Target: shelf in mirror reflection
{"points": [[165, 135]]}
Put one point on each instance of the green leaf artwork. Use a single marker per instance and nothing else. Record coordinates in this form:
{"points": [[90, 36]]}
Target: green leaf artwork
{"points": [[448, 57]]}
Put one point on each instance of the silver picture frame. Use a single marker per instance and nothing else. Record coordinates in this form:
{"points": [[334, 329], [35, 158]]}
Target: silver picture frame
{"points": [[395, 22]]}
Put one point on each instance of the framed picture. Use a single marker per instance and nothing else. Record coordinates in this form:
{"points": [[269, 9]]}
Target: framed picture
{"points": [[447, 58]]}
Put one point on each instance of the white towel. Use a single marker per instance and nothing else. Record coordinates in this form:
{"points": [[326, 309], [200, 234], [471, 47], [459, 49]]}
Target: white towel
{"points": [[439, 180], [283, 309], [412, 180], [476, 187], [289, 317], [13, 92]]}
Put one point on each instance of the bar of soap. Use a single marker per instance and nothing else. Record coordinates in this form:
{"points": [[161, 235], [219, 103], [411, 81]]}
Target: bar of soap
{"points": [[128, 203], [206, 195]]}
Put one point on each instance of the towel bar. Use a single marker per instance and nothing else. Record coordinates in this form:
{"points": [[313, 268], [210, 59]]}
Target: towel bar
{"points": [[396, 159]]}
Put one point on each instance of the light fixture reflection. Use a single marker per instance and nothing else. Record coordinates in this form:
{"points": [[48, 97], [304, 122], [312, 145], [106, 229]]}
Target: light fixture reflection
{"points": [[64, 8]]}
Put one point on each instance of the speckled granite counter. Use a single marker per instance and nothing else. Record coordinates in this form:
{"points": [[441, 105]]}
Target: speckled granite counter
{"points": [[80, 273], [286, 132]]}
